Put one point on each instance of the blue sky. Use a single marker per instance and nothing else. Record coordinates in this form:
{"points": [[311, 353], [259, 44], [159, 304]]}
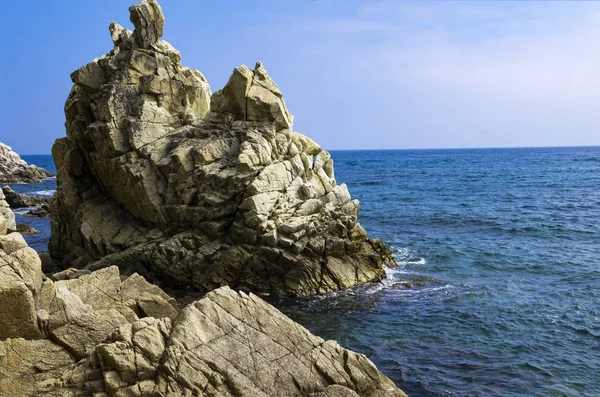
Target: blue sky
{"points": [[356, 74]]}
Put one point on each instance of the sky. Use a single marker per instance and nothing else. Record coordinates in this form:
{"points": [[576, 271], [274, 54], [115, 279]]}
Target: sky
{"points": [[355, 74]]}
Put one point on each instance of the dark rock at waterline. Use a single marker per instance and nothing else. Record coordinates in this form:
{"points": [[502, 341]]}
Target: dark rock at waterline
{"points": [[19, 200], [26, 229], [42, 212], [410, 284]]}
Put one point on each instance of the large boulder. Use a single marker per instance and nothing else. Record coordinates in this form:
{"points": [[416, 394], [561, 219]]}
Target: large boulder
{"points": [[7, 216], [227, 344], [77, 313], [207, 190], [46, 326], [30, 368], [15, 170], [20, 285]]}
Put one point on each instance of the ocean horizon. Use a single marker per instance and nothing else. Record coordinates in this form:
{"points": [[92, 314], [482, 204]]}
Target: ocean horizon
{"points": [[497, 291], [32, 156]]}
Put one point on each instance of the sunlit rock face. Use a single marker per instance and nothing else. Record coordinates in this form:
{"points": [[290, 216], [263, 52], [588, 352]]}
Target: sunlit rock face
{"points": [[83, 333], [209, 190], [13, 169]]}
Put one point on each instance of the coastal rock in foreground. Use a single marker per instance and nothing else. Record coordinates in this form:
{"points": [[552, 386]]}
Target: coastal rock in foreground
{"points": [[15, 170], [7, 216], [97, 334], [229, 344], [208, 190]]}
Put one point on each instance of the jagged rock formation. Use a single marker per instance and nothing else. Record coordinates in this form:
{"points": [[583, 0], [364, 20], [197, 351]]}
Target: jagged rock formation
{"points": [[19, 200], [209, 190], [96, 334], [14, 170], [245, 348], [76, 314]]}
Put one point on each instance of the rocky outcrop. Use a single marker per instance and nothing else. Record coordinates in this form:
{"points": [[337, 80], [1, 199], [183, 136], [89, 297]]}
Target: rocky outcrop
{"points": [[14, 170], [75, 313], [24, 228], [209, 190], [20, 285], [19, 200], [100, 334], [47, 326], [43, 211], [7, 216]]}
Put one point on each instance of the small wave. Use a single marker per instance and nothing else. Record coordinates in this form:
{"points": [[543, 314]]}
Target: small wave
{"points": [[420, 261], [428, 289], [588, 159], [537, 368], [398, 279], [403, 257], [391, 272], [524, 229], [43, 193], [584, 331], [369, 183]]}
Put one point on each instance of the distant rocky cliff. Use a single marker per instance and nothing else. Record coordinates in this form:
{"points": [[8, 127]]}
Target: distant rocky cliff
{"points": [[210, 190], [14, 170]]}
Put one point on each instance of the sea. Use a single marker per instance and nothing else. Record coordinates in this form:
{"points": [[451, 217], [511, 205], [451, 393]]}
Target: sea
{"points": [[501, 251]]}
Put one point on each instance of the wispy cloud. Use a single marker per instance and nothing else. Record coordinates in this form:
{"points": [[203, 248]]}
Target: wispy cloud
{"points": [[525, 72]]}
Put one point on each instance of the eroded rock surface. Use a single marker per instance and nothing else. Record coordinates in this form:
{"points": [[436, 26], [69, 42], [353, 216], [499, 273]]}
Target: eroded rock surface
{"points": [[228, 344], [14, 170], [47, 326], [7, 216], [208, 190], [101, 334]]}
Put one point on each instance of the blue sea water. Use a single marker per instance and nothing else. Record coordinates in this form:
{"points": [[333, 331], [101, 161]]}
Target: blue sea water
{"points": [[46, 188], [507, 242]]}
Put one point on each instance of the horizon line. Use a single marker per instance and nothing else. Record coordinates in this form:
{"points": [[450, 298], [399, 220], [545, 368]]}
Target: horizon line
{"points": [[422, 148], [471, 148]]}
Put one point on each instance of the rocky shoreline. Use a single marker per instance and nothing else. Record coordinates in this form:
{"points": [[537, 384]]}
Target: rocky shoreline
{"points": [[14, 170], [82, 333], [158, 177]]}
